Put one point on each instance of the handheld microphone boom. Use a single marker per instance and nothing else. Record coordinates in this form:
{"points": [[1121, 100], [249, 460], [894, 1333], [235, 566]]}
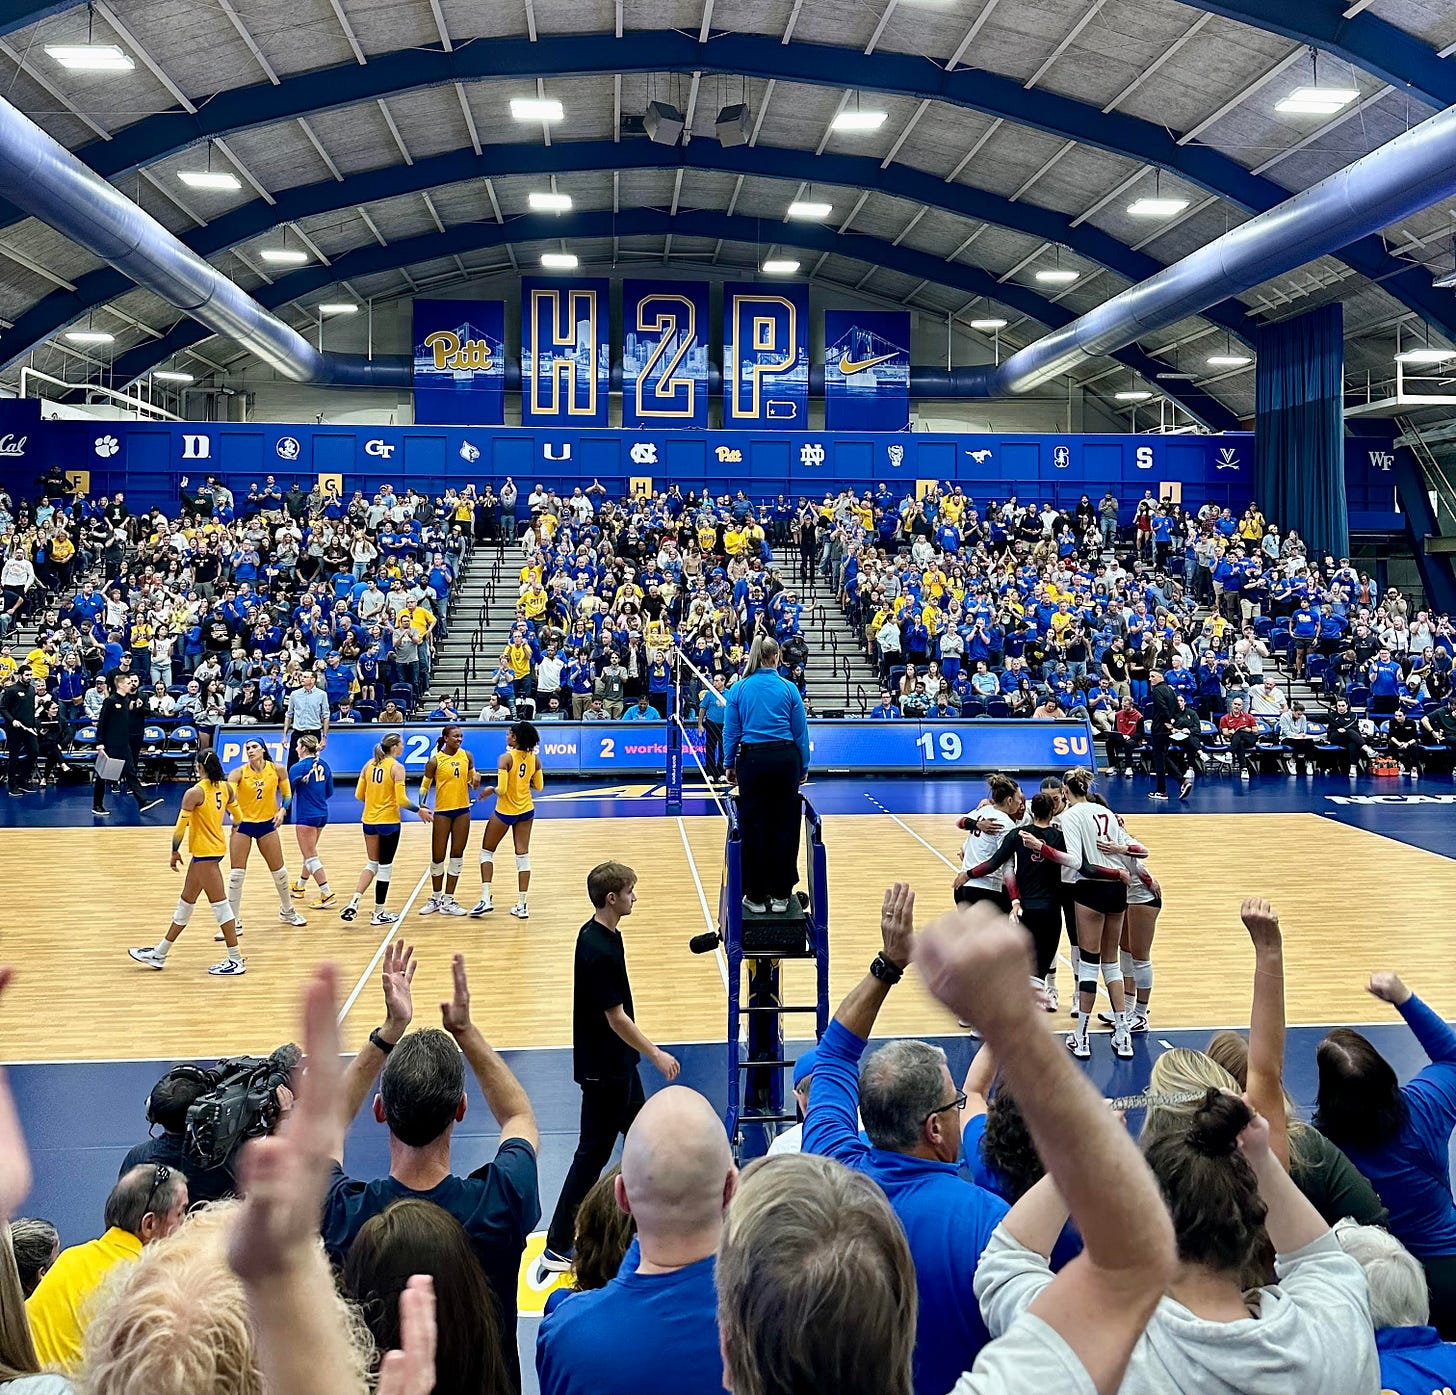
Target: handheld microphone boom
{"points": [[705, 943]]}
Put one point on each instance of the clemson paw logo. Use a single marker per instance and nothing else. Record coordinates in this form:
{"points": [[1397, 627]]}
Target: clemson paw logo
{"points": [[107, 446]]}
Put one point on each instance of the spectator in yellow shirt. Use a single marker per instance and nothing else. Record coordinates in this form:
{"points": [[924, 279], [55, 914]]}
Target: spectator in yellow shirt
{"points": [[40, 665], [533, 603], [735, 541], [146, 1205]]}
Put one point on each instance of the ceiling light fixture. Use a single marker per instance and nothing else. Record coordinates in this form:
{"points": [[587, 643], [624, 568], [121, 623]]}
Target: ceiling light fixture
{"points": [[1157, 207], [1133, 395], [1228, 360], [537, 109], [1425, 355], [91, 58], [993, 323], [1317, 101], [780, 266], [1056, 276], [810, 208], [171, 375], [559, 261], [340, 307], [549, 203], [858, 121], [209, 179], [284, 256], [90, 336]]}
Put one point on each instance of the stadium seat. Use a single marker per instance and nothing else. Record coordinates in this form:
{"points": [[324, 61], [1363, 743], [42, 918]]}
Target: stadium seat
{"points": [[183, 743], [82, 750]]}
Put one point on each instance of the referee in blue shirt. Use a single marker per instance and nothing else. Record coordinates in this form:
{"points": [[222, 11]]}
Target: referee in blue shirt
{"points": [[766, 749]]}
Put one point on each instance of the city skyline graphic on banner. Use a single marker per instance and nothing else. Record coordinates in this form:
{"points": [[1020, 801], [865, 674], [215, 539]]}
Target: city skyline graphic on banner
{"points": [[453, 360], [866, 361]]}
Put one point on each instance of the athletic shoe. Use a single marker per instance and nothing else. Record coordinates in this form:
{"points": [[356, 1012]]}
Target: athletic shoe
{"points": [[100, 813], [520, 912], [383, 918], [228, 968], [755, 907], [450, 906], [1154, 794], [149, 957], [323, 903], [291, 917], [778, 905], [1109, 770], [1185, 789], [1122, 1046], [1127, 770], [298, 888], [1354, 771], [221, 939], [348, 913], [1244, 773], [1415, 773], [1050, 990], [1080, 1047], [482, 907], [431, 906], [1137, 1023], [554, 1263], [150, 804]]}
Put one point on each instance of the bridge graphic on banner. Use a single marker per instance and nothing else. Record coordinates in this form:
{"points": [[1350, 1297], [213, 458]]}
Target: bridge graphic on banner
{"points": [[459, 353], [867, 359]]}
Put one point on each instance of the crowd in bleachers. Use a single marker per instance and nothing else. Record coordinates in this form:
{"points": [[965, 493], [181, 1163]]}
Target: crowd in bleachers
{"points": [[1013, 610]]}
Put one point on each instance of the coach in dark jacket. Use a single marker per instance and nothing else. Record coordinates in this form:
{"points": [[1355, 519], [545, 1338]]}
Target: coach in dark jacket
{"points": [[114, 728], [17, 709], [1162, 713]]}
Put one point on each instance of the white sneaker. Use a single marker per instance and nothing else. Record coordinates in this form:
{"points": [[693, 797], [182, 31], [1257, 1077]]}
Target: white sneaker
{"points": [[228, 968], [482, 907], [1050, 999], [1244, 773], [291, 917], [1122, 1045], [221, 939], [755, 907], [1080, 1047], [520, 912], [149, 957], [1354, 771], [432, 906], [450, 906], [383, 918]]}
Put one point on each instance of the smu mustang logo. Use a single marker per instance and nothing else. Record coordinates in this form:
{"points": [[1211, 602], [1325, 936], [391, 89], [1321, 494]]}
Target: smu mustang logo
{"points": [[980, 456], [1382, 460], [1228, 459]]}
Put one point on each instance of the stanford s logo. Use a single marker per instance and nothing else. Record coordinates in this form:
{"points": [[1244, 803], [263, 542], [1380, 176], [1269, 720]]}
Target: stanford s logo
{"points": [[1061, 457]]}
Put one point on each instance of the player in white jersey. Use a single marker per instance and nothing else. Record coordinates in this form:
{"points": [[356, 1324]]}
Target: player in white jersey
{"points": [[1101, 907], [985, 828], [1144, 904]]}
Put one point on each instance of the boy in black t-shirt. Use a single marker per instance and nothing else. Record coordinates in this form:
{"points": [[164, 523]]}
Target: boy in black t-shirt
{"points": [[606, 1045]]}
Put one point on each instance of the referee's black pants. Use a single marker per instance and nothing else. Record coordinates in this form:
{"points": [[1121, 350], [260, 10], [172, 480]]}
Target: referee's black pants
{"points": [[713, 748], [1159, 741], [608, 1108], [768, 818], [291, 756]]}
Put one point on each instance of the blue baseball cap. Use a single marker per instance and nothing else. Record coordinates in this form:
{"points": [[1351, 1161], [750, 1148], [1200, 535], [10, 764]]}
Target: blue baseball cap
{"points": [[804, 1066]]}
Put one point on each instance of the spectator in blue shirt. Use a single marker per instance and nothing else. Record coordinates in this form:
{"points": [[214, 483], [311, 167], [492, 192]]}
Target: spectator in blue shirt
{"points": [[1413, 1358], [1385, 677], [641, 711], [1399, 1136], [912, 1117], [653, 1330], [886, 711]]}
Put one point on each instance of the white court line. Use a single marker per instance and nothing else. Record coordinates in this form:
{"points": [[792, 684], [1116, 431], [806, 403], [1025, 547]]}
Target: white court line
{"points": [[703, 899], [1061, 958], [379, 953]]}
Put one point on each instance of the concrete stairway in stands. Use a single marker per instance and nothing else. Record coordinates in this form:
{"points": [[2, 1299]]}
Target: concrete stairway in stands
{"points": [[840, 678], [485, 606]]}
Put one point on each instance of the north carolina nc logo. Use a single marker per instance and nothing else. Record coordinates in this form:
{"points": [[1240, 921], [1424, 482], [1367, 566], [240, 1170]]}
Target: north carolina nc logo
{"points": [[644, 453]]}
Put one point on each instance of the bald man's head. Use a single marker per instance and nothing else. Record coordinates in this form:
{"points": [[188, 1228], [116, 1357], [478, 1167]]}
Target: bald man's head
{"points": [[677, 1176]]}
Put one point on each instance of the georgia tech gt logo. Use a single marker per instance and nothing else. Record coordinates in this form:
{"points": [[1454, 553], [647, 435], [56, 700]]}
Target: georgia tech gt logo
{"points": [[729, 455], [643, 453], [381, 450]]}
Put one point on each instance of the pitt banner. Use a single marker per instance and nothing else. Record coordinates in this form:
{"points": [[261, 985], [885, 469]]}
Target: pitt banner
{"points": [[766, 356], [665, 353], [460, 362], [866, 370], [566, 351]]}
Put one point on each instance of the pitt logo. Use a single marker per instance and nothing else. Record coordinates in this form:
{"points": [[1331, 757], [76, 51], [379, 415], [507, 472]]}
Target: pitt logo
{"points": [[727, 455], [449, 352]]}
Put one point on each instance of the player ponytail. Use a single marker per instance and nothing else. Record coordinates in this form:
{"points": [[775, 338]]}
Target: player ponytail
{"points": [[388, 745], [1078, 782], [211, 766], [526, 737], [444, 732], [308, 744], [1002, 788]]}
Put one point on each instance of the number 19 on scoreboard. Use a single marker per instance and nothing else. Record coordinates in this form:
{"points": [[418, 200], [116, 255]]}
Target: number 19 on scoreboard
{"points": [[946, 744]]}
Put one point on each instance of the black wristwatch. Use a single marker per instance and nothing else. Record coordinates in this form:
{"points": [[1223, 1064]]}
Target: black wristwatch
{"points": [[886, 971], [376, 1039]]}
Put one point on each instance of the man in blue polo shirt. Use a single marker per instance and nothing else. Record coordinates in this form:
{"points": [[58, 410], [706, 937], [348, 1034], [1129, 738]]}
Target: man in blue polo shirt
{"points": [[912, 1116], [653, 1330]]}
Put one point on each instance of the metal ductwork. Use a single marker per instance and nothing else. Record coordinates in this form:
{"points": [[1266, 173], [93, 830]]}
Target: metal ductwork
{"points": [[1404, 176]]}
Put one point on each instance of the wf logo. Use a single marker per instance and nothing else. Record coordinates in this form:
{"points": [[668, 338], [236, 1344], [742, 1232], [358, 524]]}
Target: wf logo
{"points": [[1382, 460]]}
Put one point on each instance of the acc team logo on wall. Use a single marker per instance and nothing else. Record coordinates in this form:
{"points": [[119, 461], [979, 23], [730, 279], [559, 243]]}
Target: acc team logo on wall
{"points": [[729, 455], [643, 453], [897, 456], [288, 448], [469, 452], [196, 448], [1382, 460], [107, 446], [1228, 459], [811, 454], [982, 456], [13, 445], [382, 450], [1061, 457]]}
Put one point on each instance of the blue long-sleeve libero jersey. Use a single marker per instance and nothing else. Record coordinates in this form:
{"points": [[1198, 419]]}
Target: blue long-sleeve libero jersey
{"points": [[948, 1221], [765, 707], [1412, 1173], [313, 784]]}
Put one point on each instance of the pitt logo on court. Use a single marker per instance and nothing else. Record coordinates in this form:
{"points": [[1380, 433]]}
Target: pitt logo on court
{"points": [[449, 352], [1069, 746]]}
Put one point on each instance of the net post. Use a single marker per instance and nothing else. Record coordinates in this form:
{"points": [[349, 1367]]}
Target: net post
{"points": [[674, 772]]}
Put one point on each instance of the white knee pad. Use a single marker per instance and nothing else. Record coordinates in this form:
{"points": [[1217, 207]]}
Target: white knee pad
{"points": [[183, 913], [386, 871], [1111, 973], [523, 862], [1142, 974], [437, 869], [372, 867], [223, 910], [312, 864], [487, 858], [1126, 961], [236, 878], [454, 865]]}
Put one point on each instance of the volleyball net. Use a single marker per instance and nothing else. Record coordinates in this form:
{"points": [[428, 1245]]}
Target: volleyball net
{"points": [[684, 741]]}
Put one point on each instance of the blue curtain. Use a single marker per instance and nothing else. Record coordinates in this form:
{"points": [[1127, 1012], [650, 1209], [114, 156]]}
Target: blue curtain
{"points": [[1299, 424]]}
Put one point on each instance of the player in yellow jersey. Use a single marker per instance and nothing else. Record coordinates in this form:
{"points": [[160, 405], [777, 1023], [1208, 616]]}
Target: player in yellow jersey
{"points": [[261, 796], [518, 773], [381, 790], [451, 770], [200, 823]]}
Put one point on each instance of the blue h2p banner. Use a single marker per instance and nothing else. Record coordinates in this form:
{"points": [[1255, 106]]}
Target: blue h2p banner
{"points": [[665, 353], [459, 362], [866, 370], [566, 351], [766, 356]]}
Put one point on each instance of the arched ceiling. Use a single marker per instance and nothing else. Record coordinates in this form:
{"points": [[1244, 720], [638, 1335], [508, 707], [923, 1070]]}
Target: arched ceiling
{"points": [[1017, 132]]}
